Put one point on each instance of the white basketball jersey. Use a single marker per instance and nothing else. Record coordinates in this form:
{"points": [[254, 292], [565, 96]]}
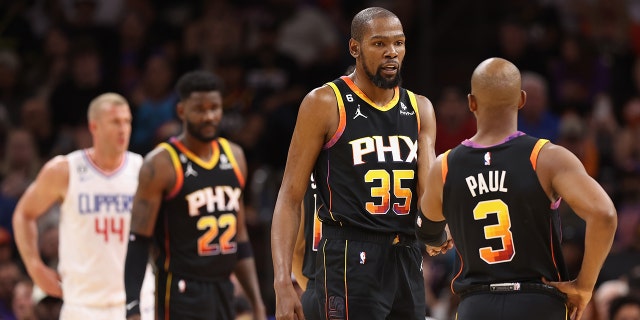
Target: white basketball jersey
{"points": [[94, 230]]}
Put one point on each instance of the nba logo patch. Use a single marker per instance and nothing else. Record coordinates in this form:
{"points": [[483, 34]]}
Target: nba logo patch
{"points": [[487, 159], [363, 257]]}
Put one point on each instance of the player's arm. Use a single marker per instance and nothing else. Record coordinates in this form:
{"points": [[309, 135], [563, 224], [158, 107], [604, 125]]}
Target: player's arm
{"points": [[49, 187], [156, 176], [245, 269], [430, 224], [317, 117], [426, 141], [298, 252], [563, 175]]}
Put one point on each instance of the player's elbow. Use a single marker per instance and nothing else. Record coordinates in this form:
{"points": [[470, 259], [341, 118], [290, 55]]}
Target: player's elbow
{"points": [[605, 217]]}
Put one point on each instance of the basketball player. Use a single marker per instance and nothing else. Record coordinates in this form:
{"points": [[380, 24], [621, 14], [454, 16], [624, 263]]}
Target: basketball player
{"points": [[189, 199], [498, 193], [360, 135], [94, 188]]}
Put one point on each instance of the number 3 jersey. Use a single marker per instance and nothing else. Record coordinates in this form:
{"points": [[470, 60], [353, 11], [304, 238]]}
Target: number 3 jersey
{"points": [[505, 227], [367, 172], [197, 223], [94, 229]]}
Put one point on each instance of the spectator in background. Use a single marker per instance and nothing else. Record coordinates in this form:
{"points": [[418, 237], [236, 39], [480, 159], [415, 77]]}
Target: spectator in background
{"points": [[454, 121], [536, 118], [577, 75], [155, 100], [607, 292], [6, 246], [35, 117], [514, 44], [10, 87], [70, 99], [9, 276], [51, 68], [22, 305], [625, 308], [17, 170], [573, 135]]}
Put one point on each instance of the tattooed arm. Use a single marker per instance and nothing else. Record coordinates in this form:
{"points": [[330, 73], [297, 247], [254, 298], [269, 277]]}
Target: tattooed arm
{"points": [[156, 177]]}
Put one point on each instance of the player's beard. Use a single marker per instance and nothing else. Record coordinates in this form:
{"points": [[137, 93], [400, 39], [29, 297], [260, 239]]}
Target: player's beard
{"points": [[378, 80], [194, 131]]}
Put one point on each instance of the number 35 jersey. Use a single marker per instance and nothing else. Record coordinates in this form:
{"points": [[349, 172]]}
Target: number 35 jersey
{"points": [[94, 230], [505, 227], [196, 225], [367, 172]]}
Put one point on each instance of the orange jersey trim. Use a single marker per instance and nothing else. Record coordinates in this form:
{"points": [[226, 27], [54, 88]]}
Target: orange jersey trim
{"points": [[445, 166], [359, 93], [343, 118], [213, 160], [227, 149], [167, 296], [536, 150], [459, 272], [177, 167]]}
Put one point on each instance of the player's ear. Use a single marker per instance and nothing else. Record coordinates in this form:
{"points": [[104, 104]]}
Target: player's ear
{"points": [[180, 110], [523, 99], [354, 48], [473, 104]]}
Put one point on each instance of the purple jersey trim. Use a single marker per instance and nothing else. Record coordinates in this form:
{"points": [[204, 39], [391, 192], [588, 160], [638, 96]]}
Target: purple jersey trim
{"points": [[472, 144]]}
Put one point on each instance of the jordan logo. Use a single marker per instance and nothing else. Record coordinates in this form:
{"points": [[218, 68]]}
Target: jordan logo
{"points": [[190, 171], [359, 113]]}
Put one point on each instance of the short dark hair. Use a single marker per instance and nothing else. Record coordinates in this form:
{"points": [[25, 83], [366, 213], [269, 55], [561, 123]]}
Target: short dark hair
{"points": [[360, 20], [197, 81], [619, 302]]}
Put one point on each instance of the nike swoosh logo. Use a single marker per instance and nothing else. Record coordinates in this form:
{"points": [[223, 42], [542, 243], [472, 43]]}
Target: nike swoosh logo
{"points": [[132, 304]]}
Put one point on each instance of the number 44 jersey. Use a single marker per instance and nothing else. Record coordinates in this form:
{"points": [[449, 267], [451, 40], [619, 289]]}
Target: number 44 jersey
{"points": [[94, 230]]}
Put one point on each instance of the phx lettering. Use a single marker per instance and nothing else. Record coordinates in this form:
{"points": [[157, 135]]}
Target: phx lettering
{"points": [[366, 145], [220, 198]]}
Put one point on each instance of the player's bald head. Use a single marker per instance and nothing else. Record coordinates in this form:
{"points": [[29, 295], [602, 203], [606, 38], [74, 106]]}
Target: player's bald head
{"points": [[496, 83], [361, 20]]}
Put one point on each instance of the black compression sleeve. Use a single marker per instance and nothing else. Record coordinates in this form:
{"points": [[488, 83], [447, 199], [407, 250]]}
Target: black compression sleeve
{"points": [[431, 233], [134, 268]]}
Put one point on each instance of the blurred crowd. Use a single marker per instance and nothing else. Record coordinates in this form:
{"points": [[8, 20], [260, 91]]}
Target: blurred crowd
{"points": [[581, 69]]}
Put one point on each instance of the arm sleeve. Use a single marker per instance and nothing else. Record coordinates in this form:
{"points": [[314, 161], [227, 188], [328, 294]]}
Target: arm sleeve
{"points": [[134, 270], [431, 233]]}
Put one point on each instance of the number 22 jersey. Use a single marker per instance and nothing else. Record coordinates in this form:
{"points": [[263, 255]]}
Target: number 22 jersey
{"points": [[196, 225]]}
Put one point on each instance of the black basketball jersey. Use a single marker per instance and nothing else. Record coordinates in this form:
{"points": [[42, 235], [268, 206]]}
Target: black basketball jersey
{"points": [[197, 222], [367, 172], [505, 227], [312, 228]]}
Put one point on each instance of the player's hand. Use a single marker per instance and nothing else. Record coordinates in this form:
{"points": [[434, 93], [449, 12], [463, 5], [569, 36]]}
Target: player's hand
{"points": [[442, 249], [446, 246], [288, 306], [577, 298], [47, 279]]}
